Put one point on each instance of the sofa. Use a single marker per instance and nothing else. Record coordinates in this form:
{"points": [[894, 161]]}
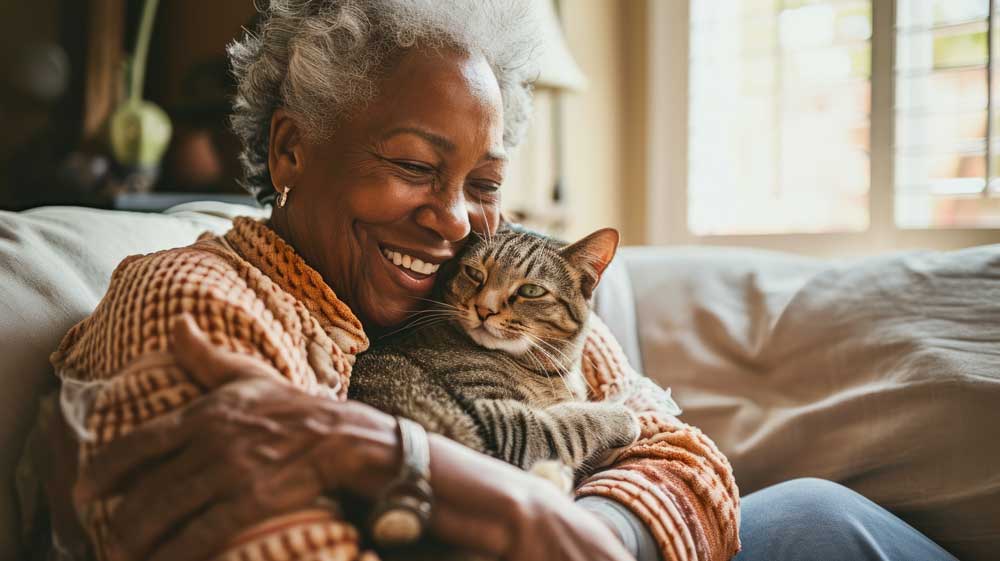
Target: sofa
{"points": [[880, 373]]}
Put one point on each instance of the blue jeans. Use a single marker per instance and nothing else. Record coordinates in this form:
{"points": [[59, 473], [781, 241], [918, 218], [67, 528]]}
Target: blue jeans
{"points": [[816, 520]]}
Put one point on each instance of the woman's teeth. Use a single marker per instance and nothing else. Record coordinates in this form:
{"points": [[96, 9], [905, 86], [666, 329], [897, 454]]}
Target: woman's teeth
{"points": [[411, 263]]}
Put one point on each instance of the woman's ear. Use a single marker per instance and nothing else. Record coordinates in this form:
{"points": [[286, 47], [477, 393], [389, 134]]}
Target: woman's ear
{"points": [[285, 150], [591, 256]]}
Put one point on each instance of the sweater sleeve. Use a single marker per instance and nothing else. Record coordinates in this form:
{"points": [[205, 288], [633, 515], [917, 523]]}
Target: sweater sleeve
{"points": [[121, 363], [674, 478]]}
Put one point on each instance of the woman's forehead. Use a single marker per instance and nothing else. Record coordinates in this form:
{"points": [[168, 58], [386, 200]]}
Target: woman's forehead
{"points": [[447, 68], [451, 95]]}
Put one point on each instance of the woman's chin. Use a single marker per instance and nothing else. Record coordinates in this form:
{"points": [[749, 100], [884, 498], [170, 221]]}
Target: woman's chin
{"points": [[381, 314]]}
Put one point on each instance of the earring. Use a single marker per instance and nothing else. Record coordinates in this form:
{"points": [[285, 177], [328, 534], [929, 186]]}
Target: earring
{"points": [[283, 195]]}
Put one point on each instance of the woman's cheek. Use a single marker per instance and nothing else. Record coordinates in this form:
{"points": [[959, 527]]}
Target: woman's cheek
{"points": [[386, 201]]}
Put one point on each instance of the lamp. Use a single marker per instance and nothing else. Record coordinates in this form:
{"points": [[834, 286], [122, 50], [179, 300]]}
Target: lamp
{"points": [[541, 201], [557, 69]]}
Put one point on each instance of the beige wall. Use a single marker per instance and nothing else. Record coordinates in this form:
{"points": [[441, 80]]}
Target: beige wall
{"points": [[592, 119], [634, 115], [602, 129], [604, 126]]}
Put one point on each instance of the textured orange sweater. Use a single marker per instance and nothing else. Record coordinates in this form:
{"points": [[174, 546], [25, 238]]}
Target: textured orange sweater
{"points": [[253, 294]]}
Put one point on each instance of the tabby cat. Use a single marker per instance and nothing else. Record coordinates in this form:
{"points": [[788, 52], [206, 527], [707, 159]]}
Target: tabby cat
{"points": [[496, 364]]}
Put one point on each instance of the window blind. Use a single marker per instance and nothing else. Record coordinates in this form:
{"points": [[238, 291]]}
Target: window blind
{"points": [[946, 136]]}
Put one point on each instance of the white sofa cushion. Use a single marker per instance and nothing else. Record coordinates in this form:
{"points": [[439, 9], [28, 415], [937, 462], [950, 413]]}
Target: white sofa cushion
{"points": [[57, 262], [882, 374]]}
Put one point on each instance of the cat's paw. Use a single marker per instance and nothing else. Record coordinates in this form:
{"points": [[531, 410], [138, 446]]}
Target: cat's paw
{"points": [[556, 472], [629, 428], [629, 435]]}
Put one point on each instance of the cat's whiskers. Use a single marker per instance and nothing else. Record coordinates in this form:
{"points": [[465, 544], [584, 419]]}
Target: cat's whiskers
{"points": [[523, 331], [421, 323], [482, 209], [418, 313], [435, 308], [548, 379], [561, 352], [541, 368], [437, 303], [583, 357], [430, 318], [568, 359], [560, 369]]}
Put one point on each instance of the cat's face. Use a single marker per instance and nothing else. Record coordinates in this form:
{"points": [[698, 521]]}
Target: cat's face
{"points": [[517, 291]]}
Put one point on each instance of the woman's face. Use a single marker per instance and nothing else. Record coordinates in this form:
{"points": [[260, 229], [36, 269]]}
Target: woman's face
{"points": [[393, 193]]}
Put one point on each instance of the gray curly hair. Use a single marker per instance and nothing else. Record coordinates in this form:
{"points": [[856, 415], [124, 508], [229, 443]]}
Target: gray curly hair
{"points": [[321, 59]]}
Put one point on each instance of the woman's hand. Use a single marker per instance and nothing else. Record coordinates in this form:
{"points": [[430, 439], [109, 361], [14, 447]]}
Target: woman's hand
{"points": [[253, 447], [493, 508]]}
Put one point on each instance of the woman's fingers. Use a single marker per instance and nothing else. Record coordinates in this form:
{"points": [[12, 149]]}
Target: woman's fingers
{"points": [[209, 365], [138, 532], [203, 536], [470, 530], [168, 492], [116, 461], [288, 490]]}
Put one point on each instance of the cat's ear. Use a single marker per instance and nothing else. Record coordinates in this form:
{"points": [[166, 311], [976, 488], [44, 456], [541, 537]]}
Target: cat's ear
{"points": [[591, 256]]}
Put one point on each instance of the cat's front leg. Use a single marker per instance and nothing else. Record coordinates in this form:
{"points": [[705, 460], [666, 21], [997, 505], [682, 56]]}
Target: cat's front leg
{"points": [[608, 428], [574, 433]]}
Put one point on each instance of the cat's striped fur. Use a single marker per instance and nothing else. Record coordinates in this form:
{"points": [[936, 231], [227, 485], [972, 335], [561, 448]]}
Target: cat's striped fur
{"points": [[497, 366]]}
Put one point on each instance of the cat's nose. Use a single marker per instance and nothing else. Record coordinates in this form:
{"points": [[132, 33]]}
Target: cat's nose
{"points": [[483, 312]]}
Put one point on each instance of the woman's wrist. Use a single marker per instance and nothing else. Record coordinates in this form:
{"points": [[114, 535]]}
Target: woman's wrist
{"points": [[626, 526], [604, 516], [361, 450], [480, 501]]}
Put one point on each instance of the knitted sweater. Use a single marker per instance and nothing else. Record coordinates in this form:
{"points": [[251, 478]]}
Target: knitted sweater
{"points": [[253, 294]]}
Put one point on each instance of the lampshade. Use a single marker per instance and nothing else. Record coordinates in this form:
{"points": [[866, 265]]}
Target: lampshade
{"points": [[557, 69]]}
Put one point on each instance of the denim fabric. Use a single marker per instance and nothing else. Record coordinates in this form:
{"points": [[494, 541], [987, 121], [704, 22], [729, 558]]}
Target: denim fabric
{"points": [[816, 520]]}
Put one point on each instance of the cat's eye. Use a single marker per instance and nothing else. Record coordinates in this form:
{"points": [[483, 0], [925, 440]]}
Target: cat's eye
{"points": [[474, 273], [531, 291]]}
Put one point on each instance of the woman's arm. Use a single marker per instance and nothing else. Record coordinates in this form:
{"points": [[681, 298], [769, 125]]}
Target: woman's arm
{"points": [[674, 479], [292, 447]]}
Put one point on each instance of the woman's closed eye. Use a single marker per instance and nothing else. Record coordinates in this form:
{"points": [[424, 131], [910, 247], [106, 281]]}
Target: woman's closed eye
{"points": [[486, 186], [415, 168], [486, 191]]}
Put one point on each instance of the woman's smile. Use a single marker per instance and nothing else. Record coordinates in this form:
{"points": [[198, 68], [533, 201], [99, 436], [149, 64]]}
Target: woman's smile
{"points": [[414, 270]]}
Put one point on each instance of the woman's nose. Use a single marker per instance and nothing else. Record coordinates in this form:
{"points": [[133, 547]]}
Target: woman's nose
{"points": [[447, 215]]}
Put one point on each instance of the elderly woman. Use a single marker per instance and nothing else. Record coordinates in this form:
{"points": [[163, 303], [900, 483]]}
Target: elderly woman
{"points": [[370, 125]]}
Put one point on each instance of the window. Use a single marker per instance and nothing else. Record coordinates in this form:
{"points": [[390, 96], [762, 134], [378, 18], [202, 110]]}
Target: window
{"points": [[863, 122], [946, 139], [778, 116]]}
